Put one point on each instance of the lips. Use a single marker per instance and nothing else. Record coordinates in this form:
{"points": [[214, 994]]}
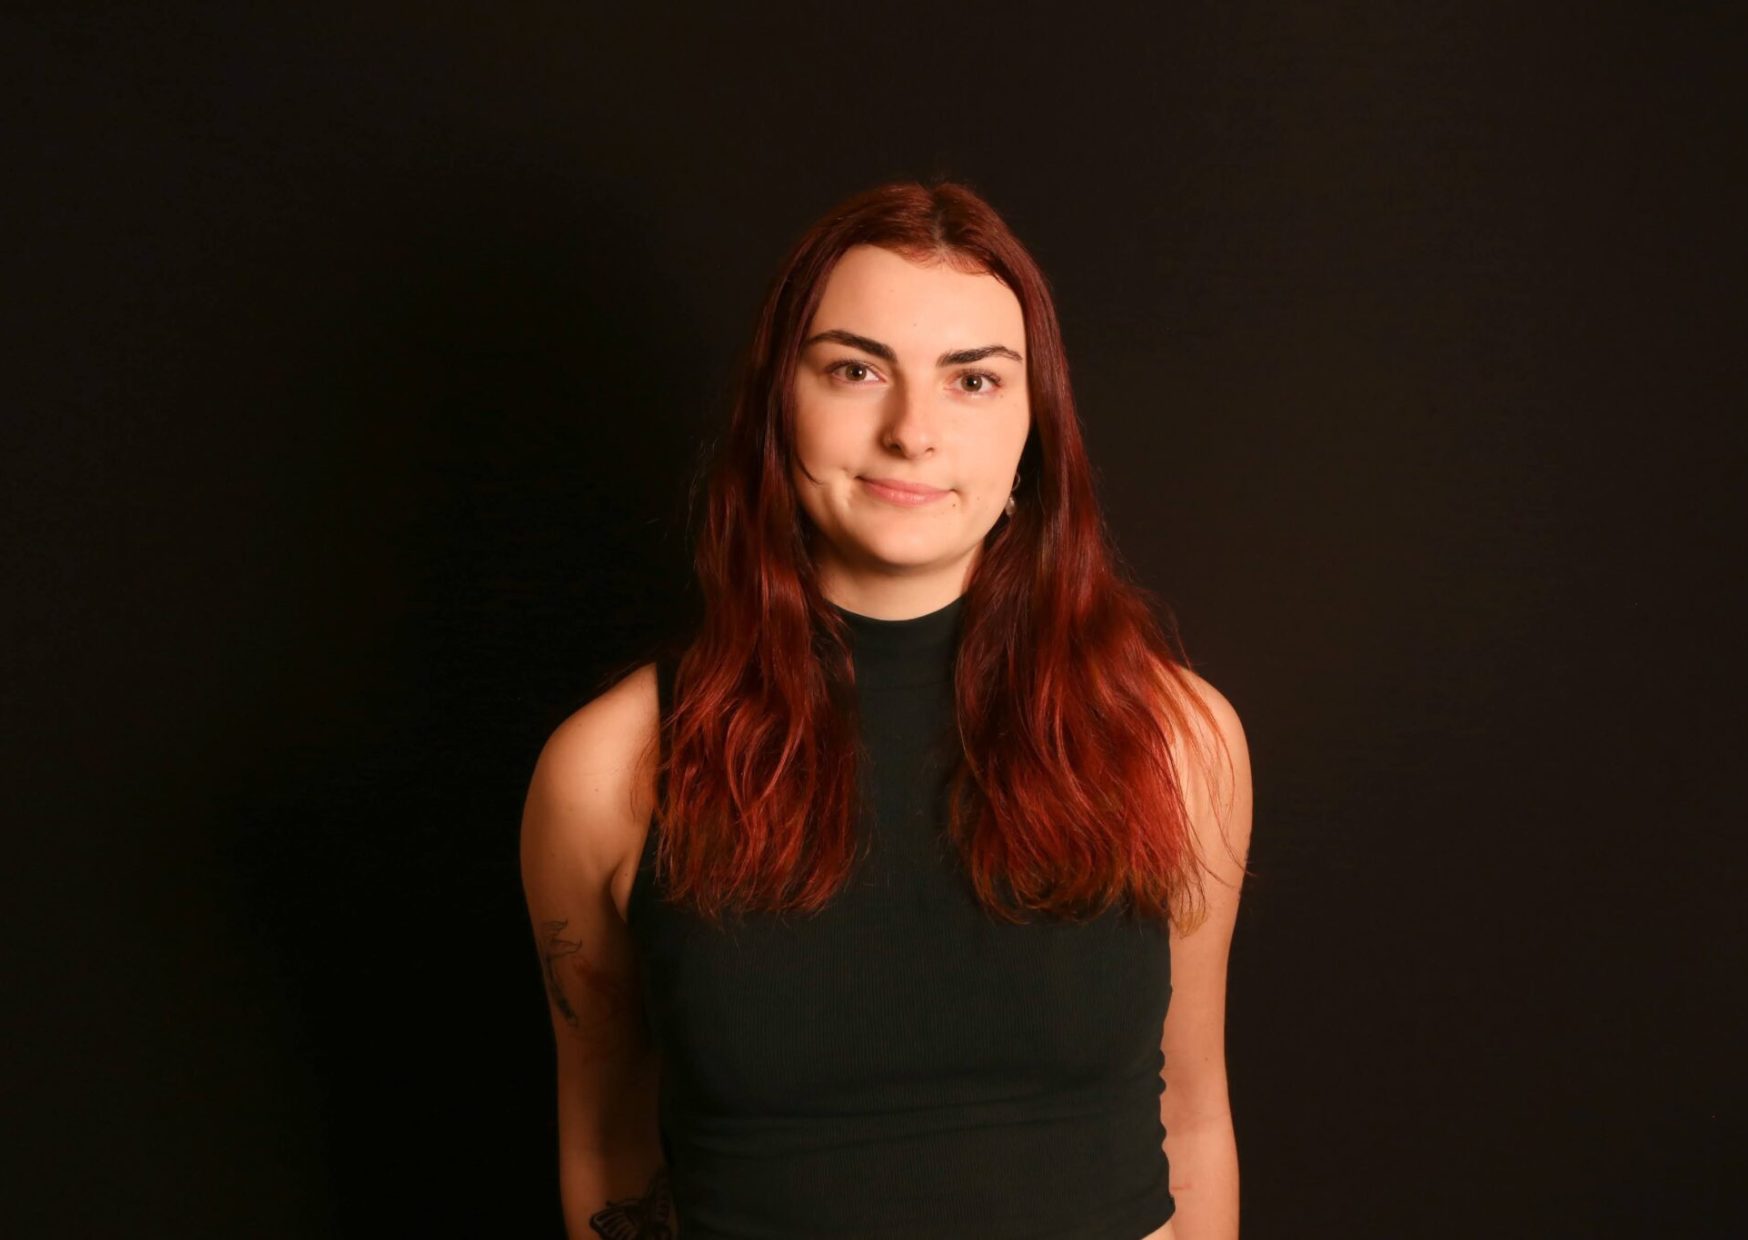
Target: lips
{"points": [[902, 494], [908, 488]]}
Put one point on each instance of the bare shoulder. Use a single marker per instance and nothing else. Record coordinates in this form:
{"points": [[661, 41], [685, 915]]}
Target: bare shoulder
{"points": [[1220, 730], [1212, 756], [592, 791], [1206, 727]]}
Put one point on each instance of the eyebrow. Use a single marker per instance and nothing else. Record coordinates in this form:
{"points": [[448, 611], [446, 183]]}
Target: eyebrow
{"points": [[954, 357]]}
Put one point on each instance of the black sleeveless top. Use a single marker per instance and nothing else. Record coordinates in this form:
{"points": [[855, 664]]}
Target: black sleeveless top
{"points": [[903, 1064]]}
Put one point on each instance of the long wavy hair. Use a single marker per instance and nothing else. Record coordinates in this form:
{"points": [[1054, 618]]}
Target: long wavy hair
{"points": [[1067, 794]]}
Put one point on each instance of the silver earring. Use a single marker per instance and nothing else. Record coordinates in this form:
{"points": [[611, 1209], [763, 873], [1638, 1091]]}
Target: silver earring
{"points": [[1009, 506]]}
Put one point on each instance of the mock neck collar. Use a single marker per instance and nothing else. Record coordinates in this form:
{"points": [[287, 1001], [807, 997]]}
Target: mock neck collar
{"points": [[918, 650]]}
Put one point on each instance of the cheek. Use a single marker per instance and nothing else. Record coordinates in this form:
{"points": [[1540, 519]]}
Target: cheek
{"points": [[811, 433], [826, 450]]}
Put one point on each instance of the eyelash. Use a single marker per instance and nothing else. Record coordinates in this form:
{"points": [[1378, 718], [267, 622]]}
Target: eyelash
{"points": [[994, 380]]}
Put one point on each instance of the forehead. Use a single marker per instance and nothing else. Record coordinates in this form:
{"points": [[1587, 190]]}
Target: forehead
{"points": [[878, 293]]}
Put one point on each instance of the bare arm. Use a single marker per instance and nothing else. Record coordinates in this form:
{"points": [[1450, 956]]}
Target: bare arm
{"points": [[579, 825], [1196, 1108]]}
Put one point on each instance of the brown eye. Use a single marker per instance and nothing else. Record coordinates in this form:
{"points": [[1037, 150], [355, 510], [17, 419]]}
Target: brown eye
{"points": [[846, 367]]}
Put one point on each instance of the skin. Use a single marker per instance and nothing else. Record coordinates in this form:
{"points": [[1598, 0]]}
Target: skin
{"points": [[960, 427], [1201, 1143]]}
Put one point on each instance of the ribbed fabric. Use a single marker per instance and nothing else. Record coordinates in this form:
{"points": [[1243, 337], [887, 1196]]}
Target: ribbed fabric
{"points": [[902, 1064]]}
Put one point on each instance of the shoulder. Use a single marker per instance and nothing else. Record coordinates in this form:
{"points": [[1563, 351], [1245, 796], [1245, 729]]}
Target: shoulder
{"points": [[1204, 719], [1211, 753], [1220, 722], [592, 790]]}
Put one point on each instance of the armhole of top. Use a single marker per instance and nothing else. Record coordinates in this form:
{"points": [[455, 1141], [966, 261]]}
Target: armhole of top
{"points": [[643, 880], [664, 671]]}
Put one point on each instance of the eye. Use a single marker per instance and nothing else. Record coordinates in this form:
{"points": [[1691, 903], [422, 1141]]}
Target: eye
{"points": [[988, 382], [849, 365]]}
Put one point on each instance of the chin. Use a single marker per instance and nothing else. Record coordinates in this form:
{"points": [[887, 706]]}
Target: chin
{"points": [[909, 552]]}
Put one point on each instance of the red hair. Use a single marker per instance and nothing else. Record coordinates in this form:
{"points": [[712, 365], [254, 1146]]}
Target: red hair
{"points": [[1067, 794]]}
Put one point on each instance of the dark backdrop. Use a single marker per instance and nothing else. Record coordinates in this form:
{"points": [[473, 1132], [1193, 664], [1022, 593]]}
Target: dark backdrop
{"points": [[359, 359]]}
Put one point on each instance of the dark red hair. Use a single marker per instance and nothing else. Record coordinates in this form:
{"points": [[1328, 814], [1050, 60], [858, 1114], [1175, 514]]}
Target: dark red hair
{"points": [[1068, 793]]}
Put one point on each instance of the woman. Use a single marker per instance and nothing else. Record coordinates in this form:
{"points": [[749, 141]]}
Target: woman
{"points": [[878, 909]]}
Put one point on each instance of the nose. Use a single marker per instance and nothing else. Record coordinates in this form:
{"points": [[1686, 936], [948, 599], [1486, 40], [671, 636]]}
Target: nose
{"points": [[911, 419]]}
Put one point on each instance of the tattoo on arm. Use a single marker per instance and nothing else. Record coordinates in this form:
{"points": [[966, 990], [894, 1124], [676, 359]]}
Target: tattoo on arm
{"points": [[611, 994], [649, 1217], [551, 948]]}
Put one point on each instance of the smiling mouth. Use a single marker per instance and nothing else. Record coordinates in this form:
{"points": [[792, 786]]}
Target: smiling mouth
{"points": [[903, 494]]}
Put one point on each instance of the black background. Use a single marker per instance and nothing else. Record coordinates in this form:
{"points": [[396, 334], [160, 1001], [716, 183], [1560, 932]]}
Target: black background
{"points": [[359, 360]]}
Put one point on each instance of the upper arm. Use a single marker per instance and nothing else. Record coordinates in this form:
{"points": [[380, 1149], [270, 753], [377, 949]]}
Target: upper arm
{"points": [[1218, 797], [579, 824]]}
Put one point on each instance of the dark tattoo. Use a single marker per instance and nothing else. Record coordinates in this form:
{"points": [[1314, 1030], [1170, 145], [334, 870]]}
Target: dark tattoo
{"points": [[551, 948], [611, 994], [649, 1217]]}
